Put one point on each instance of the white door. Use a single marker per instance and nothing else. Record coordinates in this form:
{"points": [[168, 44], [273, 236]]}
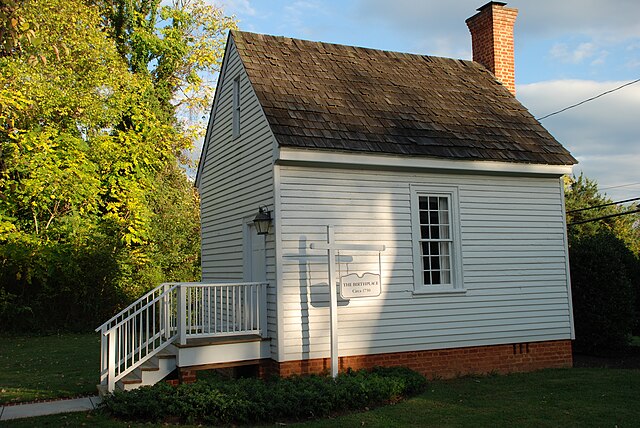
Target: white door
{"points": [[256, 265]]}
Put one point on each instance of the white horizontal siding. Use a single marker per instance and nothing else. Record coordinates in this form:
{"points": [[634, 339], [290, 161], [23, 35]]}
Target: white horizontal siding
{"points": [[513, 262], [236, 179]]}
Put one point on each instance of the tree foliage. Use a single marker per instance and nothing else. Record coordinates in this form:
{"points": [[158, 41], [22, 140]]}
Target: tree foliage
{"points": [[582, 192], [605, 268], [604, 275], [176, 45], [94, 207]]}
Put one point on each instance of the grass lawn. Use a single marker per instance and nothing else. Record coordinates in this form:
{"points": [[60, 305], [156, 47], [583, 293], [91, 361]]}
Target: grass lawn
{"points": [[549, 398], [39, 368]]}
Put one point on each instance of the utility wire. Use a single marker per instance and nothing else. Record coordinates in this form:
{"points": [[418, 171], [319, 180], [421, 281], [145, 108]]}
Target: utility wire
{"points": [[604, 205], [621, 185], [604, 217], [589, 99]]}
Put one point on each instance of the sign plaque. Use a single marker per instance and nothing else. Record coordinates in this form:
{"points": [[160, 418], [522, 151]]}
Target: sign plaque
{"points": [[354, 285]]}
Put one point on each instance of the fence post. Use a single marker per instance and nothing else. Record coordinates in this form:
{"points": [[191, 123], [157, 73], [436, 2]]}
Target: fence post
{"points": [[111, 361], [182, 313], [262, 308]]}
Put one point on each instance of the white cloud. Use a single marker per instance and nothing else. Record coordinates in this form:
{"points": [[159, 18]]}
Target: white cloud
{"points": [[430, 21], [613, 18], [238, 7], [296, 17], [579, 54], [604, 134], [562, 52]]}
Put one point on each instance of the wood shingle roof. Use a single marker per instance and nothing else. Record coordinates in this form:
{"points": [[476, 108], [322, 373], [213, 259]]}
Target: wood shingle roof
{"points": [[335, 97]]}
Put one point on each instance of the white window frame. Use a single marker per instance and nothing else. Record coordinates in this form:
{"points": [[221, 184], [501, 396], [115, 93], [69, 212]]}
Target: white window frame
{"points": [[457, 282], [236, 108]]}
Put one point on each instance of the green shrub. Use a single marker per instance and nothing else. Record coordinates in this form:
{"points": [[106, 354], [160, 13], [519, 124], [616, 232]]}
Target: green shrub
{"points": [[603, 278], [217, 401]]}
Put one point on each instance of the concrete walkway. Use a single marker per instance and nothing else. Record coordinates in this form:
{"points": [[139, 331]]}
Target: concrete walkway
{"points": [[48, 408]]}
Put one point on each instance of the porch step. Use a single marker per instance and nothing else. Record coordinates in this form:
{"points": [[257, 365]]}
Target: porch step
{"points": [[168, 352], [150, 366], [132, 378], [150, 372], [220, 340]]}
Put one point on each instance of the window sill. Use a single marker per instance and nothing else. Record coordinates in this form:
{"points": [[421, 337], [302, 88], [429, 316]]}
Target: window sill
{"points": [[439, 291]]}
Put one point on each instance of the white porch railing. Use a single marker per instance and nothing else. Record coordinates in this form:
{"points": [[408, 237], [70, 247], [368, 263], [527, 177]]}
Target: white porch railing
{"points": [[178, 311], [222, 309]]}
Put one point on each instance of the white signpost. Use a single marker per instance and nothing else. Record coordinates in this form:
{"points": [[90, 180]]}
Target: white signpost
{"points": [[331, 246]]}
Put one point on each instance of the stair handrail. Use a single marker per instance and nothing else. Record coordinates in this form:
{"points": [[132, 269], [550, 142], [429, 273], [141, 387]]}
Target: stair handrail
{"points": [[221, 284], [131, 306], [115, 364], [138, 311]]}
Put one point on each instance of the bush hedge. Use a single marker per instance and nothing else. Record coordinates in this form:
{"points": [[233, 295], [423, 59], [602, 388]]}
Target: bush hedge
{"points": [[223, 401], [604, 278]]}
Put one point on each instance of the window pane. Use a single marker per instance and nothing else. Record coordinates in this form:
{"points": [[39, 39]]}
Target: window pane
{"points": [[422, 202], [427, 277], [434, 248], [433, 203], [443, 248], [443, 217], [433, 217], [443, 232], [444, 203], [425, 263], [435, 262], [436, 277], [425, 248], [445, 276], [424, 217]]}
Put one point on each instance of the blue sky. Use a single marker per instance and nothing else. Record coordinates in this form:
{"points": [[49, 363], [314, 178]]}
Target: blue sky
{"points": [[566, 51]]}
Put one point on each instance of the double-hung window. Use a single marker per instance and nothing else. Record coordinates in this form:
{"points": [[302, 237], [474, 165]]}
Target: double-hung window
{"points": [[436, 239]]}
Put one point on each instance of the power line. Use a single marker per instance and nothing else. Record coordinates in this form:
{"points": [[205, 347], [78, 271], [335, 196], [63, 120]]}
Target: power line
{"points": [[589, 99], [621, 185], [604, 205], [604, 217]]}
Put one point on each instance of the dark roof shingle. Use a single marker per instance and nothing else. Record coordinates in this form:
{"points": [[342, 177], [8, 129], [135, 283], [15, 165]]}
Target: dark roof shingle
{"points": [[326, 96]]}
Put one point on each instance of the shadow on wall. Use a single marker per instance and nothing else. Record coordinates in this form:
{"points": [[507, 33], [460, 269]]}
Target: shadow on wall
{"points": [[359, 319]]}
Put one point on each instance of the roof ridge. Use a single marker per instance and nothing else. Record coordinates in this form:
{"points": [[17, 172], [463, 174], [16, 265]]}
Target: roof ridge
{"points": [[292, 40]]}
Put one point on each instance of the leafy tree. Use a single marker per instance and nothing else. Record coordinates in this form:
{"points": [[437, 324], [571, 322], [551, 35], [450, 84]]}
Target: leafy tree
{"points": [[583, 192], [177, 45], [605, 268], [604, 275], [94, 207]]}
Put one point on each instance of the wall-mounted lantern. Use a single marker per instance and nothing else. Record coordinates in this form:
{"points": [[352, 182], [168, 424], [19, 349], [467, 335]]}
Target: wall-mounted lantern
{"points": [[262, 220]]}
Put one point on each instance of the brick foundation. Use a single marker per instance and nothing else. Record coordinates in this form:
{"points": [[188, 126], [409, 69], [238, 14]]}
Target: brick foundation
{"points": [[443, 363], [186, 375]]}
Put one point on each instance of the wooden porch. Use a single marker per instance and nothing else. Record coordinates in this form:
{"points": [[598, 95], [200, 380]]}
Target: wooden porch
{"points": [[179, 325]]}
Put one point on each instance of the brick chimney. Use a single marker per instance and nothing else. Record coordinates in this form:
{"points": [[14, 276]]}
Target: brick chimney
{"points": [[492, 40]]}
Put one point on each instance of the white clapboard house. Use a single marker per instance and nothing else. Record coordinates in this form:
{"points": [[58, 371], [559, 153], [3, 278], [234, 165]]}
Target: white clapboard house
{"points": [[418, 186]]}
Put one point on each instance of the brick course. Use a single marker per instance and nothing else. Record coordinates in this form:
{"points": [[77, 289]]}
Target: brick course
{"points": [[186, 375], [492, 41], [443, 363]]}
